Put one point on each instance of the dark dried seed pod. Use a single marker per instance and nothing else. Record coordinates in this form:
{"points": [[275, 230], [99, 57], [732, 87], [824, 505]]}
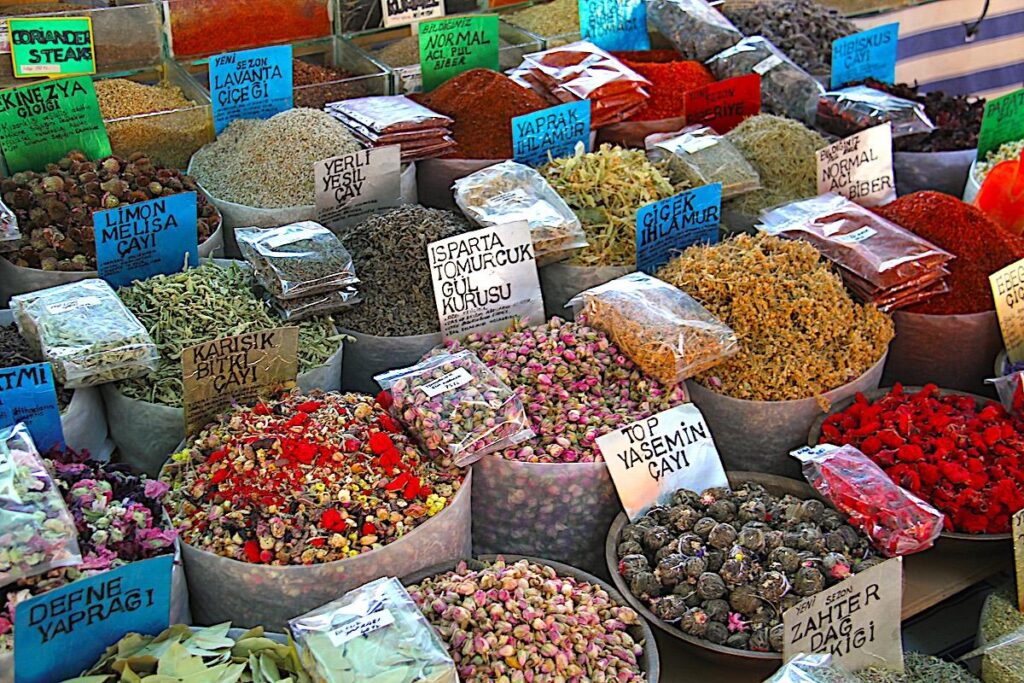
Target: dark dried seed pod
{"points": [[744, 599], [631, 565], [690, 544], [832, 520], [716, 632], [670, 548], [835, 542], [683, 517], [751, 538], [693, 567], [775, 637], [717, 610], [660, 514], [631, 532], [734, 571], [787, 558], [760, 640], [645, 523], [669, 608], [715, 559], [687, 498], [671, 570], [710, 586], [752, 511], [645, 585], [836, 565], [773, 585], [739, 640], [692, 599], [703, 526], [808, 581], [850, 536], [722, 510], [722, 536], [655, 538], [694, 622], [811, 539], [629, 548]]}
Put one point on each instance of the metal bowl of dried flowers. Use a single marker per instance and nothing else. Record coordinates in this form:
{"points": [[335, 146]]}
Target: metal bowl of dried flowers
{"points": [[649, 661], [953, 539]]}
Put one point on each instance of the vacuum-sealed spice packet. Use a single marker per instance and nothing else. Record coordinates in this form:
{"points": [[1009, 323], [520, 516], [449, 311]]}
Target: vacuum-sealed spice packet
{"points": [[696, 29], [85, 331], [851, 110], [510, 192], [700, 156], [373, 633], [786, 89], [297, 260], [37, 533], [896, 521], [303, 307], [456, 405], [662, 329]]}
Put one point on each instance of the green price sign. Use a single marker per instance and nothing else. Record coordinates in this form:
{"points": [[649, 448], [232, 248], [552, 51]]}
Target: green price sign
{"points": [[42, 122], [51, 46], [456, 44], [1003, 122]]}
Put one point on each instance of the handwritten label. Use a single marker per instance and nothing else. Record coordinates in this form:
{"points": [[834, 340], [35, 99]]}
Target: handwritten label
{"points": [[27, 394], [1008, 291], [138, 241], [485, 278], [671, 225], [868, 54], [857, 621], [1017, 522], [1002, 122], [352, 186], [725, 104], [652, 458], [239, 369], [450, 46], [51, 46], [551, 133], [361, 626], [859, 167], [453, 380], [402, 12], [41, 123], [615, 24], [63, 632], [251, 84]]}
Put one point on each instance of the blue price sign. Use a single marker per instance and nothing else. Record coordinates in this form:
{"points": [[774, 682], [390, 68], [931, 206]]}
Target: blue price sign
{"points": [[615, 24], [61, 633], [671, 225], [868, 54], [137, 241], [27, 394], [554, 131], [251, 84]]}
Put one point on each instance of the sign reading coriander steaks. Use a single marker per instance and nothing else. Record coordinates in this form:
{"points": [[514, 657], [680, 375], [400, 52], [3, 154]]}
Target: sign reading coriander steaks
{"points": [[51, 46]]}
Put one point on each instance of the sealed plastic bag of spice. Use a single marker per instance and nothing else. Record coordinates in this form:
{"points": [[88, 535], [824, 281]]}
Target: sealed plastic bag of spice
{"points": [[851, 110], [661, 328], [455, 404], [305, 307], [375, 630], [786, 89], [880, 261], [37, 533], [297, 260], [510, 192], [695, 28], [85, 331], [896, 521], [699, 156]]}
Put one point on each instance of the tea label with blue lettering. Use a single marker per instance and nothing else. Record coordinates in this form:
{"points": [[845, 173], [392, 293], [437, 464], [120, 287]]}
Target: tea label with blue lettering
{"points": [[615, 24], [28, 394], [251, 84], [868, 54]]}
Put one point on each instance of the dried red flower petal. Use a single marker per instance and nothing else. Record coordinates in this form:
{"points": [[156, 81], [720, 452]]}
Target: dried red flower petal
{"points": [[380, 442], [252, 551]]}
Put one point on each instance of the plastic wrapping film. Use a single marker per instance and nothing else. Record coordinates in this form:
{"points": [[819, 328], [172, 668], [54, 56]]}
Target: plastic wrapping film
{"points": [[223, 589], [560, 282], [757, 436], [998, 660], [296, 260], [17, 280], [700, 156], [695, 28], [814, 668], [850, 110], [1010, 390], [940, 171], [368, 355], [951, 351], [560, 512], [146, 433]]}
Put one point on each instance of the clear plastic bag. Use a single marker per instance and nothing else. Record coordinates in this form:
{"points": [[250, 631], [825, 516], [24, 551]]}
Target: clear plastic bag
{"points": [[1010, 389], [998, 661], [786, 89], [896, 521], [851, 110], [816, 668], [662, 329], [37, 533], [10, 234], [700, 156], [372, 631], [510, 192], [85, 331], [695, 28], [297, 260], [294, 310], [456, 405]]}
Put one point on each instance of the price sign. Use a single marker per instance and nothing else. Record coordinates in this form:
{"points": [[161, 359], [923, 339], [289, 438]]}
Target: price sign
{"points": [[857, 621], [725, 104], [51, 46], [251, 84], [868, 54], [1002, 122], [670, 225], [138, 241], [456, 44], [615, 24], [352, 186], [551, 133], [41, 123], [27, 394], [1008, 291], [484, 279], [859, 167], [402, 12], [652, 458]]}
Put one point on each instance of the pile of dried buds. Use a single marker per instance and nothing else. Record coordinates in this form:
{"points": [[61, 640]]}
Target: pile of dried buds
{"points": [[304, 480], [55, 207], [726, 564], [576, 385], [524, 622], [965, 459]]}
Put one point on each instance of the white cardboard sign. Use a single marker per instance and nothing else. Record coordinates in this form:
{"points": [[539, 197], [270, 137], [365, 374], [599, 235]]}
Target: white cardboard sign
{"points": [[860, 167]]}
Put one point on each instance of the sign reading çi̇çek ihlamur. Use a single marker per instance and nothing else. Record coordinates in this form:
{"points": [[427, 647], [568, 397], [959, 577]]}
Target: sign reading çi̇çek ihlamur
{"points": [[51, 46]]}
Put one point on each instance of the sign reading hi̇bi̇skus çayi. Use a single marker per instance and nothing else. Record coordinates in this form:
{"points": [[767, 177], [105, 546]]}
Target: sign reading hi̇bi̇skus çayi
{"points": [[868, 54], [251, 84]]}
